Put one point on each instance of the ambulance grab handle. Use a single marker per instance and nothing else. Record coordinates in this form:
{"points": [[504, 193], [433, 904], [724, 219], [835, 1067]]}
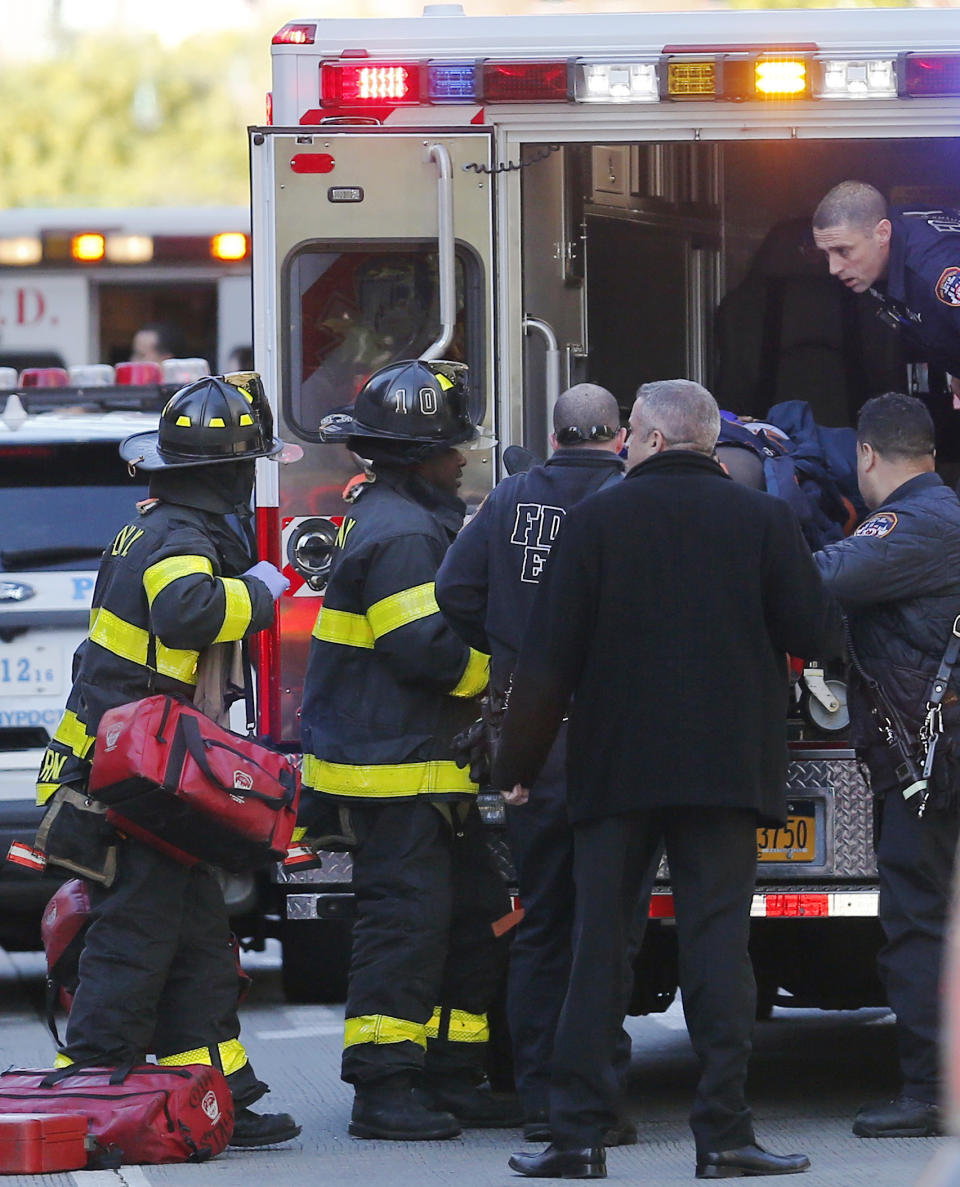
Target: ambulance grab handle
{"points": [[445, 255]]}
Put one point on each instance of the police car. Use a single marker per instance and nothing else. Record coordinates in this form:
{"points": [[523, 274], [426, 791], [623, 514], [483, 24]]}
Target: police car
{"points": [[64, 493]]}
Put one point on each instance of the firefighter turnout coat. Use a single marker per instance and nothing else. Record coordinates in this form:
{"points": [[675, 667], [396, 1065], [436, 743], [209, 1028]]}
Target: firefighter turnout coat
{"points": [[167, 588], [389, 684]]}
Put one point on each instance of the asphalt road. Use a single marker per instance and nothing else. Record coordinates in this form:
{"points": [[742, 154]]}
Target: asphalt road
{"points": [[810, 1072]]}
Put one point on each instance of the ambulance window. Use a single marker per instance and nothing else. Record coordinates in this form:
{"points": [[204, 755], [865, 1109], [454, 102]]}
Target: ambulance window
{"points": [[356, 309]]}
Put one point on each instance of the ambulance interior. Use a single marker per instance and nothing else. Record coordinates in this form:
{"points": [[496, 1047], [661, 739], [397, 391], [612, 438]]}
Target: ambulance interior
{"points": [[695, 259]]}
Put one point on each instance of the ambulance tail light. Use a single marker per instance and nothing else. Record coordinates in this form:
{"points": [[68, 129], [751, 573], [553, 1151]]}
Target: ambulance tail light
{"points": [[352, 84], [296, 33], [525, 82], [930, 74], [616, 82], [867, 78]]}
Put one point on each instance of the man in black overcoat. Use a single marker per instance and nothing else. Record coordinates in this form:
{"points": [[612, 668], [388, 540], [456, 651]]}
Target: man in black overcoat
{"points": [[667, 613]]}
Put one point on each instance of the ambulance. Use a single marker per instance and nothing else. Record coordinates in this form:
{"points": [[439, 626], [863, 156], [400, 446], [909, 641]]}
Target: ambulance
{"points": [[614, 197]]}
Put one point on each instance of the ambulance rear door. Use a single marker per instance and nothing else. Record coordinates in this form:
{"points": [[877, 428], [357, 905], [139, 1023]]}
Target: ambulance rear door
{"points": [[370, 244]]}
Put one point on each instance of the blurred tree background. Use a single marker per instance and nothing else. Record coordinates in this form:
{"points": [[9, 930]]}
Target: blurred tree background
{"points": [[124, 121]]}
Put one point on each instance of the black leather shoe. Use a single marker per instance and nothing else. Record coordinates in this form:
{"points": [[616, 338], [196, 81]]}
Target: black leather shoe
{"points": [[904, 1117], [252, 1129], [393, 1111], [749, 1160], [589, 1163]]}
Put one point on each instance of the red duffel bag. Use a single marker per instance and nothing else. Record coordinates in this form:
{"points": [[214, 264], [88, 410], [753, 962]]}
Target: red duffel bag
{"points": [[142, 1113], [180, 783]]}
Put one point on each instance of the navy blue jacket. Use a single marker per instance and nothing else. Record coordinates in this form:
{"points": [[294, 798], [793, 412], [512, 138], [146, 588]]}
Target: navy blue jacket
{"points": [[489, 576], [924, 276], [898, 578]]}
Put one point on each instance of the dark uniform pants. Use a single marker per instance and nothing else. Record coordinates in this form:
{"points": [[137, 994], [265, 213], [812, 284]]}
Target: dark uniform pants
{"points": [[425, 963], [712, 854], [915, 859], [158, 973], [541, 845]]}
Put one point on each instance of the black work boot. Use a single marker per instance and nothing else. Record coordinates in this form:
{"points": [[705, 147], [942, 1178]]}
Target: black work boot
{"points": [[469, 1097], [904, 1117], [262, 1129], [393, 1110]]}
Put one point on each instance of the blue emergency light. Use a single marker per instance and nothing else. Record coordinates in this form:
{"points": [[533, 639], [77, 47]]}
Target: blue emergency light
{"points": [[451, 82]]}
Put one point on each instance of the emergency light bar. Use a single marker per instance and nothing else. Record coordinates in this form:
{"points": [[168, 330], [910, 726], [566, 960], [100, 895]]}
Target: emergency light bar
{"points": [[21, 250], [734, 73], [89, 246]]}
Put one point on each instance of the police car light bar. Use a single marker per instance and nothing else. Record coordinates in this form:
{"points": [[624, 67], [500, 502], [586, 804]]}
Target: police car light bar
{"points": [[930, 74], [868, 78]]}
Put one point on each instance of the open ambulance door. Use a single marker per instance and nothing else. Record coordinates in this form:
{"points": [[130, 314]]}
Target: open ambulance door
{"points": [[369, 245]]}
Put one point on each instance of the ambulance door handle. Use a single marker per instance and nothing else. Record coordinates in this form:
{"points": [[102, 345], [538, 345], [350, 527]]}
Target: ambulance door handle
{"points": [[446, 252], [551, 363]]}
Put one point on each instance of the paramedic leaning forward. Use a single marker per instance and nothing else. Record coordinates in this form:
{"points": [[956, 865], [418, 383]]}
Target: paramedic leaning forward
{"points": [[898, 577], [388, 685], [157, 973], [908, 262]]}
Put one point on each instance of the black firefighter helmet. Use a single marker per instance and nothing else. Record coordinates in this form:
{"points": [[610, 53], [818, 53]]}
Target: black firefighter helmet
{"points": [[418, 401], [208, 421]]}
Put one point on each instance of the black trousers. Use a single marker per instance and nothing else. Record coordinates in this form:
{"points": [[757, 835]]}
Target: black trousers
{"points": [[425, 963], [541, 844], [712, 854], [915, 859], [158, 973]]}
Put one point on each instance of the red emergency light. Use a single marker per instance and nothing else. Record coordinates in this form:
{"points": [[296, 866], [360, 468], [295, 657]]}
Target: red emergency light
{"points": [[295, 33], [352, 84], [525, 82], [930, 74]]}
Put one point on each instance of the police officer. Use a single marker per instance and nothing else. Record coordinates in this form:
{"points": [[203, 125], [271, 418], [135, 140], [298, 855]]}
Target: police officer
{"points": [[387, 688], [908, 261], [157, 972], [485, 588], [898, 577]]}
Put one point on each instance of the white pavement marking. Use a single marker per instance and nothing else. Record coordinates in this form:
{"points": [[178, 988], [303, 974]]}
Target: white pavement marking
{"points": [[301, 1032], [131, 1176]]}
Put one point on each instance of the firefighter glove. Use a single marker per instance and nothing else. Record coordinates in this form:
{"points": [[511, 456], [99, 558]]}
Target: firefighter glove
{"points": [[271, 577]]}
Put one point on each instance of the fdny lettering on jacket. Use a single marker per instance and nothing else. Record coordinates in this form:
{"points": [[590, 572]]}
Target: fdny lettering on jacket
{"points": [[535, 530]]}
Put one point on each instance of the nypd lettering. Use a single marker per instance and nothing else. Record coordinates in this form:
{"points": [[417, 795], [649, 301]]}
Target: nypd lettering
{"points": [[535, 530], [947, 287], [881, 524]]}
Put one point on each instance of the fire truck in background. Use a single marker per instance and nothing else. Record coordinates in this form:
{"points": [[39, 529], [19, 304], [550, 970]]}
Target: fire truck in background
{"points": [[76, 285], [611, 197]]}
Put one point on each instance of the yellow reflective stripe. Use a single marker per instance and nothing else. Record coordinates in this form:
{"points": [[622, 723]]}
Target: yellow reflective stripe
{"points": [[72, 733], [159, 576], [233, 1057], [400, 608], [61, 1060], [130, 643], [381, 1029], [340, 626], [467, 1028], [299, 832], [237, 611], [476, 675], [381, 780], [433, 1026], [45, 791]]}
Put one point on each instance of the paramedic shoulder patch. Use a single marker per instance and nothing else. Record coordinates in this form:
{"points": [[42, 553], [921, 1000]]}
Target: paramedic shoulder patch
{"points": [[947, 287], [881, 524]]}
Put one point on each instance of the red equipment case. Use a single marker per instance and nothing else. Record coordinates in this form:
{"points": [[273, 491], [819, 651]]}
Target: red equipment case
{"points": [[180, 783], [39, 1143]]}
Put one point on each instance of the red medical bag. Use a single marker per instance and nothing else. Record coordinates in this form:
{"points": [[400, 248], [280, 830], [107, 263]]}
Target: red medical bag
{"points": [[136, 1114], [38, 1143], [180, 783]]}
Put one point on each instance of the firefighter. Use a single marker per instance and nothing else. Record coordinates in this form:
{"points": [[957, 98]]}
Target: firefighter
{"points": [[387, 688], [157, 973], [486, 587], [907, 261]]}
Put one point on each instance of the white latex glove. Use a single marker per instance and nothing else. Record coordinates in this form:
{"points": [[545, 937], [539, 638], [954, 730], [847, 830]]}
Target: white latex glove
{"points": [[271, 577]]}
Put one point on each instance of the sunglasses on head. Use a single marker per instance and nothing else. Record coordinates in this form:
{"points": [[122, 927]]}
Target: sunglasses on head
{"points": [[573, 434]]}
